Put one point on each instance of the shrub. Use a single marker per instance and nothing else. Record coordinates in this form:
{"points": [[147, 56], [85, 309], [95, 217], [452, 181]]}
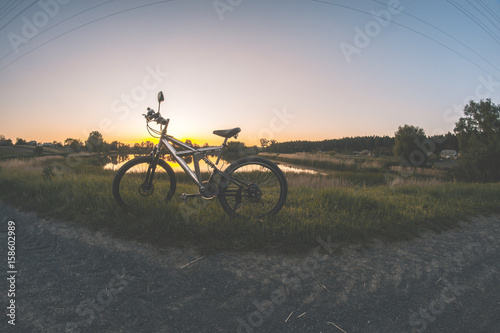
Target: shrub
{"points": [[38, 151], [478, 134]]}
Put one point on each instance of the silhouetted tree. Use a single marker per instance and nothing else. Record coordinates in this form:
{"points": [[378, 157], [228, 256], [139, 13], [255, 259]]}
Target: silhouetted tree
{"points": [[113, 146], [347, 144], [408, 142], [478, 134], [4, 141], [74, 145], [20, 141], [95, 142], [264, 142]]}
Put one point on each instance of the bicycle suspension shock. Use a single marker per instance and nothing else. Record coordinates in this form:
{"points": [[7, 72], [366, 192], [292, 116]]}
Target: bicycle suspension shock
{"points": [[208, 162]]}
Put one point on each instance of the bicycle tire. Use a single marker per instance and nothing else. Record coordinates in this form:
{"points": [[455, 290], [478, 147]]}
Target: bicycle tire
{"points": [[265, 195], [128, 192]]}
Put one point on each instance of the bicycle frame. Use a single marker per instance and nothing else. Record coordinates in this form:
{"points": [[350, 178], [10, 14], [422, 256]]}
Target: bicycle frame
{"points": [[198, 154]]}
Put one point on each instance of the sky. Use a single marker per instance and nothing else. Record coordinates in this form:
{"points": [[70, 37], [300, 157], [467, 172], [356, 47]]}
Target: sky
{"points": [[278, 69]]}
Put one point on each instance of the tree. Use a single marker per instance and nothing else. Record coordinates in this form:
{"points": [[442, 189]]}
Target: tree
{"points": [[408, 143], [478, 134], [113, 146], [236, 149], [74, 145], [264, 142], [4, 141], [95, 142], [123, 148], [20, 141]]}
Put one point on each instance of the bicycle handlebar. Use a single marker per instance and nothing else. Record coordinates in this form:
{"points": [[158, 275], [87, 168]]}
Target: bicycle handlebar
{"points": [[162, 121], [152, 115]]}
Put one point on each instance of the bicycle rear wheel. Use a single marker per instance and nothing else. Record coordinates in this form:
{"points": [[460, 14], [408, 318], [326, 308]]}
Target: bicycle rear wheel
{"points": [[131, 189], [257, 188]]}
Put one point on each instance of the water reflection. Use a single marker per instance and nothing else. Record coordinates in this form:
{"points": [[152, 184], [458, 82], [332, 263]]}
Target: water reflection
{"points": [[115, 162], [119, 159], [295, 169]]}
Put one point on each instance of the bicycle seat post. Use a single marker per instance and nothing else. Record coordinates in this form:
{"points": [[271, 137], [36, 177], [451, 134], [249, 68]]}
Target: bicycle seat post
{"points": [[224, 144]]}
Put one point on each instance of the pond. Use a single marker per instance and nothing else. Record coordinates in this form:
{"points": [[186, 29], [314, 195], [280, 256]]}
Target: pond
{"points": [[287, 168], [116, 162]]}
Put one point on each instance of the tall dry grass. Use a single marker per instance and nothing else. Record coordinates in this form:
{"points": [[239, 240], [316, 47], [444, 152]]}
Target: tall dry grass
{"points": [[430, 172], [316, 181], [35, 164], [412, 181], [327, 162]]}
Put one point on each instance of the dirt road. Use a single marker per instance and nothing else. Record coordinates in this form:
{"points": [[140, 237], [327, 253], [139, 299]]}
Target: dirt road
{"points": [[72, 280]]}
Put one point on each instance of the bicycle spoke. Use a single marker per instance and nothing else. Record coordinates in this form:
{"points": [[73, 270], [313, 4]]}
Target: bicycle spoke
{"points": [[134, 189], [262, 194]]}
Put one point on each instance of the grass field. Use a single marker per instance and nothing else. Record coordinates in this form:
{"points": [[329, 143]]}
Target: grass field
{"points": [[374, 199], [26, 151]]}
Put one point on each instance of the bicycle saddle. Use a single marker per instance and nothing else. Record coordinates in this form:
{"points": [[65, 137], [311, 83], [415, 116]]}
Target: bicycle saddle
{"points": [[228, 133]]}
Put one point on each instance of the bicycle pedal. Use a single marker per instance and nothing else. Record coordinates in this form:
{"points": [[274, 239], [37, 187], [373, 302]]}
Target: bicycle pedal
{"points": [[185, 196]]}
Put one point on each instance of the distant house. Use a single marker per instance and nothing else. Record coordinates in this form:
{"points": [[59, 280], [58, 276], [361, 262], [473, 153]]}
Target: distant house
{"points": [[32, 143], [47, 144], [365, 153], [448, 153]]}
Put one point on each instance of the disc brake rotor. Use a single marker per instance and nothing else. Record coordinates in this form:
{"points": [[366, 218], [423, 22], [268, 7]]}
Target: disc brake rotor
{"points": [[146, 190], [254, 193]]}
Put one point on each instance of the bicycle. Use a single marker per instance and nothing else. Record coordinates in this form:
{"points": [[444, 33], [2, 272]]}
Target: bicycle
{"points": [[248, 187]]}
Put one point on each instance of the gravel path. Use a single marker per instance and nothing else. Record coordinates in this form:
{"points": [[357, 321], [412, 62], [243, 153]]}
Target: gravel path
{"points": [[72, 280]]}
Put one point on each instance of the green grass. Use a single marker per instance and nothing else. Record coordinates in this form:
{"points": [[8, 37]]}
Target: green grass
{"points": [[80, 193], [26, 151]]}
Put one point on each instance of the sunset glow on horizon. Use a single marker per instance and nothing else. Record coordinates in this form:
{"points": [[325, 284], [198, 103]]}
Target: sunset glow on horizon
{"points": [[283, 70]]}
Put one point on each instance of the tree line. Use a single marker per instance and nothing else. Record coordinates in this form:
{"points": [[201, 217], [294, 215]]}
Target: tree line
{"points": [[378, 145], [94, 143], [476, 137]]}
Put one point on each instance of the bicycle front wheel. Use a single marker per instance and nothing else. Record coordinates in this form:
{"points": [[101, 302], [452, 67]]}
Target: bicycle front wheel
{"points": [[256, 188], [132, 189]]}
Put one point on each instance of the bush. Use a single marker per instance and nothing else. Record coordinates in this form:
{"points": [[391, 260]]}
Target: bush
{"points": [[38, 151], [408, 141], [478, 134]]}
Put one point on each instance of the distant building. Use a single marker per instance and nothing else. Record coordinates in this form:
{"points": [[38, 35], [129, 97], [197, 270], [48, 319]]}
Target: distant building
{"points": [[32, 143], [448, 153], [47, 144], [365, 153]]}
